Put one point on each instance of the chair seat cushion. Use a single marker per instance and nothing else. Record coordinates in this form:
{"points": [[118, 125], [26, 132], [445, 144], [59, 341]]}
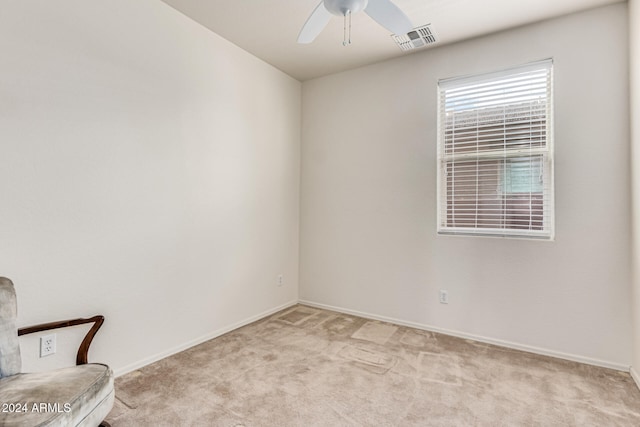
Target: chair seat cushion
{"points": [[76, 396]]}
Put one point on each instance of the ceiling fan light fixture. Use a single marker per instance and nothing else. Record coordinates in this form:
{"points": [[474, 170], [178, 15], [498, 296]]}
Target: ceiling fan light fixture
{"points": [[344, 7], [384, 12]]}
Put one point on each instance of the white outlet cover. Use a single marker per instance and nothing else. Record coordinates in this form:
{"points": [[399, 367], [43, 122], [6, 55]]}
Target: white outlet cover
{"points": [[47, 345], [444, 297]]}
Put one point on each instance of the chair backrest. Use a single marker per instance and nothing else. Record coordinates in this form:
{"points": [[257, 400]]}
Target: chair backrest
{"points": [[10, 362]]}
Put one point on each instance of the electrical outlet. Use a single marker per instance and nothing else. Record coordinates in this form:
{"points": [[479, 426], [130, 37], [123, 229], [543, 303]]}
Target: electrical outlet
{"points": [[444, 297], [280, 280], [47, 345]]}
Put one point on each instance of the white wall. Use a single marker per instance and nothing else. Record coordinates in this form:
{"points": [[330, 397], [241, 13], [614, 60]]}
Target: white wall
{"points": [[368, 199], [150, 172], [634, 57]]}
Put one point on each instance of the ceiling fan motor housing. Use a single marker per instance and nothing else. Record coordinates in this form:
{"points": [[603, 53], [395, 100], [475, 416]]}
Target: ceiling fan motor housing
{"points": [[342, 7]]}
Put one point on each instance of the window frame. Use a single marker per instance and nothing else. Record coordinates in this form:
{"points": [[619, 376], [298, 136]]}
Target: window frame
{"points": [[444, 227]]}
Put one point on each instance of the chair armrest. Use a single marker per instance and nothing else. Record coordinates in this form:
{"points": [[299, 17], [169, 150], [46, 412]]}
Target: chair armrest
{"points": [[83, 351]]}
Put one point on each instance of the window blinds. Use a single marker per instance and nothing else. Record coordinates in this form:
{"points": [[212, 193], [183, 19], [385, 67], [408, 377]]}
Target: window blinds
{"points": [[495, 153]]}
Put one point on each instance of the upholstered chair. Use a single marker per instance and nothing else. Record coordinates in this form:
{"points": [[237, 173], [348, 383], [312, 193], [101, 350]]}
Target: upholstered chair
{"points": [[81, 395]]}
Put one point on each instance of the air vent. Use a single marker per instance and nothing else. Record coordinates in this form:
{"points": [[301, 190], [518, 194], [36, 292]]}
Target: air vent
{"points": [[415, 39]]}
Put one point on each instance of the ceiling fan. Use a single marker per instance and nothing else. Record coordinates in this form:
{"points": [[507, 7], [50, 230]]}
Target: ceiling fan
{"points": [[384, 12]]}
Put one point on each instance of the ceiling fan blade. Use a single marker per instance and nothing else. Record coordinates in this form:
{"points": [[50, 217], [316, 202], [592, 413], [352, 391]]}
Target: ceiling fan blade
{"points": [[389, 16], [314, 25]]}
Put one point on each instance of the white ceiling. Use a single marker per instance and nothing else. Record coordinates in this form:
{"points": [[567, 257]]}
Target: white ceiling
{"points": [[269, 28]]}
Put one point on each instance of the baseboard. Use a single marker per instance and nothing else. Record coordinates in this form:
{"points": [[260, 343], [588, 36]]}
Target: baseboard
{"points": [[177, 349], [487, 340], [502, 343], [635, 376]]}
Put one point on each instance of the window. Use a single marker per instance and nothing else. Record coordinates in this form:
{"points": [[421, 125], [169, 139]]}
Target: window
{"points": [[495, 153]]}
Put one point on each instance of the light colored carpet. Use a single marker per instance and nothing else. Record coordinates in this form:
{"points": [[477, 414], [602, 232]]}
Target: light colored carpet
{"points": [[311, 367]]}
